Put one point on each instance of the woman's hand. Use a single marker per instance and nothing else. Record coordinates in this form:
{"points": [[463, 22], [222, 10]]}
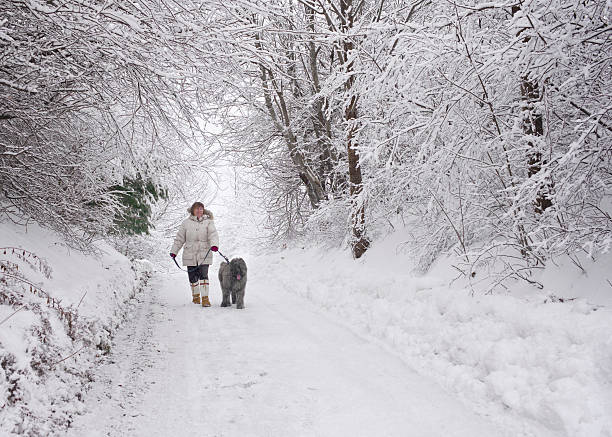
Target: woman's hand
{"points": [[172, 255]]}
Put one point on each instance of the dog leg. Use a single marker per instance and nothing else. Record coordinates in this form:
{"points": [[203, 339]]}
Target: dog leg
{"points": [[240, 300], [233, 296], [226, 298]]}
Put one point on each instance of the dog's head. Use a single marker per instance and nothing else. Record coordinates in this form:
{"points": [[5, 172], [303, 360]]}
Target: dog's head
{"points": [[238, 268]]}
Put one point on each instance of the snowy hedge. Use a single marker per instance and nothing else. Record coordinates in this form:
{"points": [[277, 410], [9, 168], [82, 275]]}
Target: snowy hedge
{"points": [[58, 312]]}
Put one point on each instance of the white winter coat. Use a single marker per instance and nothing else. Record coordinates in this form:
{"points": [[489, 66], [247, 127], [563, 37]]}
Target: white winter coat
{"points": [[197, 236]]}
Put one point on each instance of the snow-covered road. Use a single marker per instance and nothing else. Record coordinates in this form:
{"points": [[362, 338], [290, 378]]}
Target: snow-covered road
{"points": [[278, 368]]}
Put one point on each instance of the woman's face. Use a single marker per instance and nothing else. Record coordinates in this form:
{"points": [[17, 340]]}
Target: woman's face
{"points": [[199, 212]]}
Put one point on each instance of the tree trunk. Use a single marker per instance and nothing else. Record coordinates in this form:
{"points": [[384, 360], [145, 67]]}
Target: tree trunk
{"points": [[359, 242], [314, 188], [533, 125], [321, 124]]}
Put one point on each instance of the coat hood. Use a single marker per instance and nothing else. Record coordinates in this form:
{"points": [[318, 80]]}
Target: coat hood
{"points": [[207, 214]]}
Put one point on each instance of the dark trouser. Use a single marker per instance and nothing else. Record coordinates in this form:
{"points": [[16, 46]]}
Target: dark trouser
{"points": [[197, 273]]}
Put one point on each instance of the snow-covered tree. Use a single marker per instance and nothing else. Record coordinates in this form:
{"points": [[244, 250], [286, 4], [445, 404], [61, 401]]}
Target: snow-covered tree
{"points": [[89, 94]]}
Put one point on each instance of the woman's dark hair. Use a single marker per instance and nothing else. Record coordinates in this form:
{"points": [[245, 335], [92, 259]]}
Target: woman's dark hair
{"points": [[195, 206]]}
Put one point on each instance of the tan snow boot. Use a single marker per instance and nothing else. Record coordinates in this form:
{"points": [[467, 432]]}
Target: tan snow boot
{"points": [[195, 293], [204, 292]]}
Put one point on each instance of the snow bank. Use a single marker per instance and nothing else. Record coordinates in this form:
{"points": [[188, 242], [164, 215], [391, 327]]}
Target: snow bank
{"points": [[58, 310], [519, 355]]}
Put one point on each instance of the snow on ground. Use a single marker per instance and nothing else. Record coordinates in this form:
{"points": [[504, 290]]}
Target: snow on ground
{"points": [[51, 333], [280, 367], [327, 346], [547, 362]]}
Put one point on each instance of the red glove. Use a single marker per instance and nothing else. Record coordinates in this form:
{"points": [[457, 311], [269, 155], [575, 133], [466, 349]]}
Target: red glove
{"points": [[172, 255], [214, 248]]}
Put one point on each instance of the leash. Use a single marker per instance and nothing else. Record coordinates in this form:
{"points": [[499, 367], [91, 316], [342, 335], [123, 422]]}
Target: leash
{"points": [[228, 262], [191, 268], [224, 257]]}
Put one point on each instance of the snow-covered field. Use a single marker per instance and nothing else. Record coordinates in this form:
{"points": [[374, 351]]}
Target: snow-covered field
{"points": [[327, 346], [53, 328]]}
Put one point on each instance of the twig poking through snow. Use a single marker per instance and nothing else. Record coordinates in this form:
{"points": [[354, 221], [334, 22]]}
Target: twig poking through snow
{"points": [[19, 309], [81, 300], [71, 355]]}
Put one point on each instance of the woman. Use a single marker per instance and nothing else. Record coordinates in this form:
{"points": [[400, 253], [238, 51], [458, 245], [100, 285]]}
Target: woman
{"points": [[199, 236]]}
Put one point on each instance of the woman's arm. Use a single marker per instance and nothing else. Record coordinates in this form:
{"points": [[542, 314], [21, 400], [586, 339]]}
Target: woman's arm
{"points": [[179, 240], [213, 236]]}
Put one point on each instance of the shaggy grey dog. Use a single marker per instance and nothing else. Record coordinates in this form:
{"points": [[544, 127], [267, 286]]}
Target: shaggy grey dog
{"points": [[233, 278]]}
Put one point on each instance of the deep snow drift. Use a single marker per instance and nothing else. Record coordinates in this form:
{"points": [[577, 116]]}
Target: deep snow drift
{"points": [[54, 321], [526, 352]]}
